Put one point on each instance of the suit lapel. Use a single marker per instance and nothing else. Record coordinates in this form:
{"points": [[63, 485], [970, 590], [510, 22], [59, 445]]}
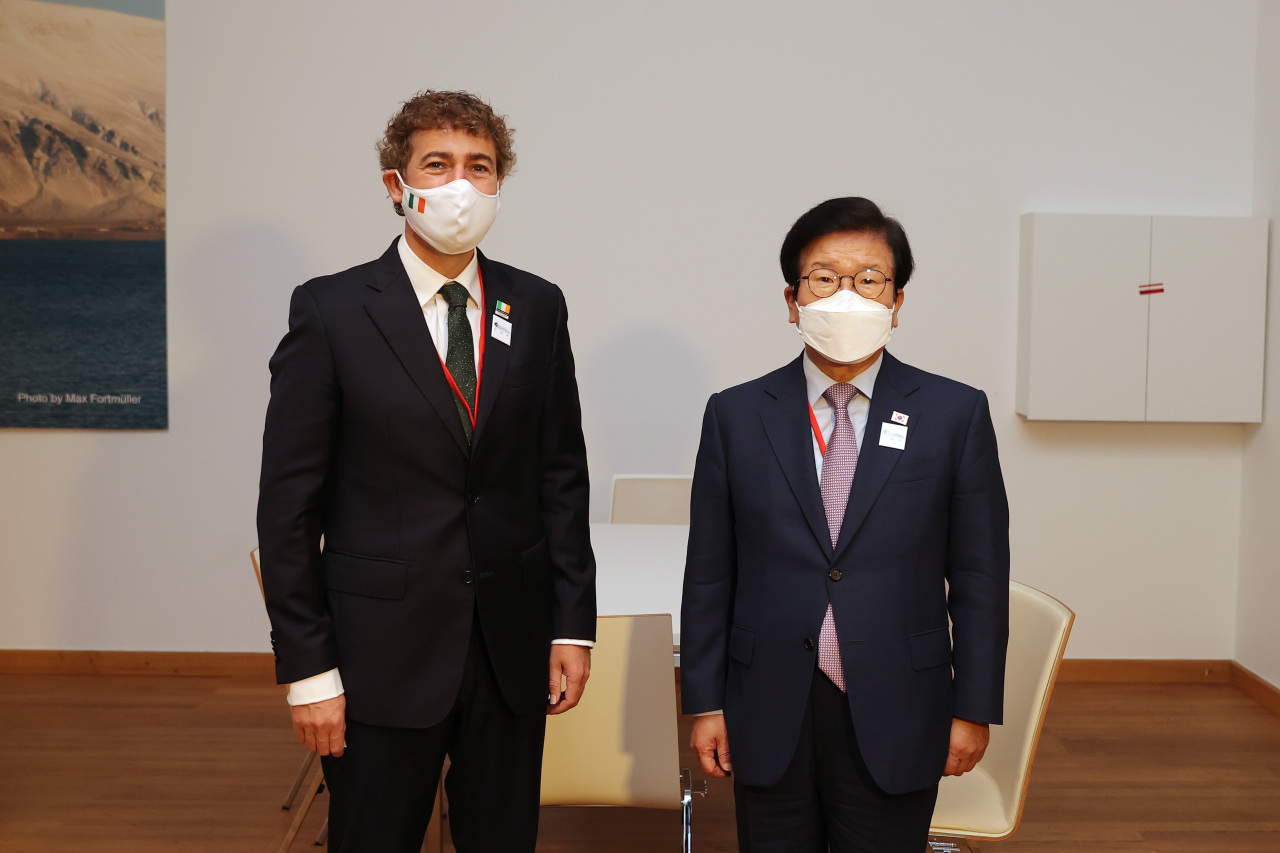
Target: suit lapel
{"points": [[875, 462], [394, 309], [786, 422], [497, 286]]}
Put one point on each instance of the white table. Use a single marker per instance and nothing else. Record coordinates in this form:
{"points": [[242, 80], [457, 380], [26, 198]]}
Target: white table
{"points": [[640, 569]]}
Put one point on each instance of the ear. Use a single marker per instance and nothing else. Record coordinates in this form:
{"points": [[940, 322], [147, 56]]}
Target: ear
{"points": [[897, 303], [392, 183], [788, 293]]}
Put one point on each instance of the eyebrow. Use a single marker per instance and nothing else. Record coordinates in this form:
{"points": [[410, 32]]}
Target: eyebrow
{"points": [[830, 265], [447, 155], [824, 265]]}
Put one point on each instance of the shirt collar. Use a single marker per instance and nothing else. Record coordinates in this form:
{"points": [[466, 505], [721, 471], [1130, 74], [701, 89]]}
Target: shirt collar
{"points": [[817, 382], [427, 282]]}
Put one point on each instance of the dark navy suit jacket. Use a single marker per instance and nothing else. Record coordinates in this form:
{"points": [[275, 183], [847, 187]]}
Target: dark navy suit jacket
{"points": [[924, 537], [422, 533]]}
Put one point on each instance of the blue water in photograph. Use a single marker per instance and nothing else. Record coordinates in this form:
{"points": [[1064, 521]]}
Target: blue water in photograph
{"points": [[82, 334]]}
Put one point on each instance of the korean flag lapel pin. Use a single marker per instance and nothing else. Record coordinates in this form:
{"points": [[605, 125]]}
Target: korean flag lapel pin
{"points": [[893, 433], [502, 322]]}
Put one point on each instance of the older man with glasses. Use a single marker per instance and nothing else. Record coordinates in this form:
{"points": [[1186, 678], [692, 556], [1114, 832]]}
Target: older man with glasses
{"points": [[846, 508]]}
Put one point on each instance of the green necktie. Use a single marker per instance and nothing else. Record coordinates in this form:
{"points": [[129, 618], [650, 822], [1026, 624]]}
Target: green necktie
{"points": [[461, 354]]}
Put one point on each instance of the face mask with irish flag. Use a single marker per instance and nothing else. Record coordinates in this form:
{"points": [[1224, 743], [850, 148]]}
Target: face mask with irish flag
{"points": [[453, 218]]}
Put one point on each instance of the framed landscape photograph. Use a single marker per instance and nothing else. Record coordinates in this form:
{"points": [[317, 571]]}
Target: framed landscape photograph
{"points": [[82, 215]]}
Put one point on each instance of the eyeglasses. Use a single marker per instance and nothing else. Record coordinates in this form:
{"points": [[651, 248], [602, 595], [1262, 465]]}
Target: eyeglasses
{"points": [[868, 283]]}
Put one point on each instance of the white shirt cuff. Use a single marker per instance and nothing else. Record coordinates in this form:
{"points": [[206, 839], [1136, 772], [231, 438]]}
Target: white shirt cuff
{"points": [[317, 688], [588, 643], [709, 713]]}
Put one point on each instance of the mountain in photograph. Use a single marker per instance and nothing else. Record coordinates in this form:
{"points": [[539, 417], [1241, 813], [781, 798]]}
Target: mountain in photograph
{"points": [[82, 150]]}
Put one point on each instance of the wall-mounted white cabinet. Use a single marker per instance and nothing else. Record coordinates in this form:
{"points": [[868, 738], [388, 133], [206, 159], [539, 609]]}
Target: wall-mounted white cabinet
{"points": [[1141, 318]]}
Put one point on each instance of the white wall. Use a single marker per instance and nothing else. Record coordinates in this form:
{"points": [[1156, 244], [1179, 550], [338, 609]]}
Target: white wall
{"points": [[664, 150], [1257, 629]]}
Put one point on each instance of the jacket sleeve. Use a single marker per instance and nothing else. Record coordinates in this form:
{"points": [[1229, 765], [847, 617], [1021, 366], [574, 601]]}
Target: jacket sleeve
{"points": [[706, 611], [297, 445], [565, 495], [978, 574]]}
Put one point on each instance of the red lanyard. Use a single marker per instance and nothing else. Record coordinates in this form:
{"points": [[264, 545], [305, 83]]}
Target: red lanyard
{"points": [[817, 433], [470, 406]]}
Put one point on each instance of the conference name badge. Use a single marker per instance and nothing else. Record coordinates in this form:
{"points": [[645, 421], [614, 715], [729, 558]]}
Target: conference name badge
{"points": [[893, 435], [502, 322]]}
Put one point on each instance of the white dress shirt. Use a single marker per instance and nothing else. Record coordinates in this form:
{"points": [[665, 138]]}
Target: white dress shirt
{"points": [[435, 310], [816, 384]]}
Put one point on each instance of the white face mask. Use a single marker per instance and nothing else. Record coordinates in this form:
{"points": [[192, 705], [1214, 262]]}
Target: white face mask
{"points": [[453, 218], [845, 327]]}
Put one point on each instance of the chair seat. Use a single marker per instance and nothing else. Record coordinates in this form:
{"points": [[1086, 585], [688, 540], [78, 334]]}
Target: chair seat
{"points": [[971, 805]]}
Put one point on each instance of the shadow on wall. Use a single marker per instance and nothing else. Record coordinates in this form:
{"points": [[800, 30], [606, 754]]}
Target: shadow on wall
{"points": [[1156, 482], [643, 396], [1137, 524], [166, 558]]}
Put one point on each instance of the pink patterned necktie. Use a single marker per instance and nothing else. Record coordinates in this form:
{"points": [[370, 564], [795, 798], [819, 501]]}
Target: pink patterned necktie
{"points": [[838, 465]]}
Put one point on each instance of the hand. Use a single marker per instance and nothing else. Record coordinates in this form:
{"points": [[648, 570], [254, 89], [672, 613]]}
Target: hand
{"points": [[968, 744], [322, 726], [710, 742], [574, 664]]}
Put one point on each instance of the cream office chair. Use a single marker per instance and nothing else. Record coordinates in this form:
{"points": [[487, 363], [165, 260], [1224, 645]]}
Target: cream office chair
{"points": [[314, 788], [650, 499], [986, 803], [620, 746]]}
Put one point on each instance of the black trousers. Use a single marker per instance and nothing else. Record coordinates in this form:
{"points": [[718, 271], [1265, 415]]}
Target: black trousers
{"points": [[382, 789], [826, 799]]}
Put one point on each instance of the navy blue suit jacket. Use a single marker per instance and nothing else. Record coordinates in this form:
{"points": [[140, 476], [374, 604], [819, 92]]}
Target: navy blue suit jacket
{"points": [[924, 537]]}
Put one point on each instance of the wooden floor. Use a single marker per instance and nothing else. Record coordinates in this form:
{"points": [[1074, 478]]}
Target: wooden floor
{"points": [[146, 763]]}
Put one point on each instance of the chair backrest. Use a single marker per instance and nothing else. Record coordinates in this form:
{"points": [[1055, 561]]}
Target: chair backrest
{"points": [[620, 746], [1039, 626], [650, 499], [255, 557]]}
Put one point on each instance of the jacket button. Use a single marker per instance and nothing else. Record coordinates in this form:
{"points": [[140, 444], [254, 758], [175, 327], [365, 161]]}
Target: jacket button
{"points": [[835, 574], [473, 500], [466, 576], [808, 644]]}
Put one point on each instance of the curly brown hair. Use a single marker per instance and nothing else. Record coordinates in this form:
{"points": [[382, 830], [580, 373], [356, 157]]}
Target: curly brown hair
{"points": [[432, 110]]}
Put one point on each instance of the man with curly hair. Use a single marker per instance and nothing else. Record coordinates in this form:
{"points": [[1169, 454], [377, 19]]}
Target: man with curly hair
{"points": [[422, 512]]}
